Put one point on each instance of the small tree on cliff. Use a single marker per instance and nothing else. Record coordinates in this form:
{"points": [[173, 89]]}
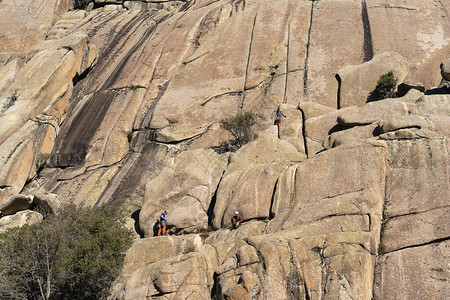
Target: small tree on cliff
{"points": [[74, 255], [385, 87], [240, 126]]}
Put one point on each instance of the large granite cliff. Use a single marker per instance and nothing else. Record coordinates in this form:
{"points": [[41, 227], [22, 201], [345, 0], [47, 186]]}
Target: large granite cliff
{"points": [[120, 103]]}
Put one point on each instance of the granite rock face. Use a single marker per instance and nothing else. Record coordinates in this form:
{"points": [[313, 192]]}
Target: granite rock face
{"points": [[32, 113], [121, 104], [25, 23], [249, 180], [185, 189]]}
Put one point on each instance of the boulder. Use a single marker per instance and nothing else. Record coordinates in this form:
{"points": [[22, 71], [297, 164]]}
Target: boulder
{"points": [[146, 251], [406, 134], [113, 7], [109, 1], [152, 5], [226, 242], [19, 219], [16, 203], [372, 112], [406, 86], [249, 180], [185, 189], [351, 135], [183, 276], [444, 87], [409, 121], [357, 82]]}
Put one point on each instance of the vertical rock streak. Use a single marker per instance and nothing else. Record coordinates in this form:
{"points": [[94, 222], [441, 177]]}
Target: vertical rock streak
{"points": [[241, 105], [304, 131], [287, 63], [368, 47], [305, 77]]}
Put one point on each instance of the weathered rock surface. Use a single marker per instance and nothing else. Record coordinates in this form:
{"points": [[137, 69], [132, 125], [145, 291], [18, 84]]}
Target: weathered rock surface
{"points": [[30, 122], [355, 190], [410, 121], [25, 23], [436, 109], [423, 268], [185, 189], [351, 135], [416, 206], [249, 180], [128, 104], [62, 26]]}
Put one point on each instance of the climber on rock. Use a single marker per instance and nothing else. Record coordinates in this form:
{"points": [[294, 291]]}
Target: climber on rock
{"points": [[236, 220], [162, 223], [278, 117]]}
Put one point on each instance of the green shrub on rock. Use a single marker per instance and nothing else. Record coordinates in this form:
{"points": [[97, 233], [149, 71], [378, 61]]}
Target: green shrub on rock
{"points": [[76, 254], [385, 87], [240, 126]]}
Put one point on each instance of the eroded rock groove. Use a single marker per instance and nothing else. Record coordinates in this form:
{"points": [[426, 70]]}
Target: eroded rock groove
{"points": [[368, 46], [241, 105], [305, 77], [287, 64]]}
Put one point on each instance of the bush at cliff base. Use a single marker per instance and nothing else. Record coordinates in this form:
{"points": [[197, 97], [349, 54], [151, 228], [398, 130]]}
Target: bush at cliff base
{"points": [[76, 254]]}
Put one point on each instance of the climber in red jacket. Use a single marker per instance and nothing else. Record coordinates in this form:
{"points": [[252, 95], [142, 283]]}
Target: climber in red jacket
{"points": [[236, 220]]}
